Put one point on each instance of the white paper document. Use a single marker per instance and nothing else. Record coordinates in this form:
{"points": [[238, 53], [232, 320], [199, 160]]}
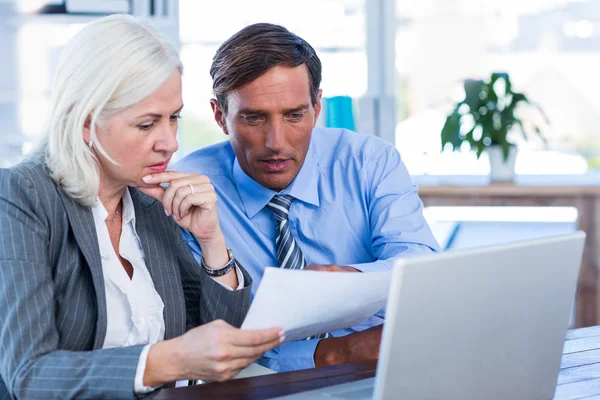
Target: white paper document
{"points": [[309, 303]]}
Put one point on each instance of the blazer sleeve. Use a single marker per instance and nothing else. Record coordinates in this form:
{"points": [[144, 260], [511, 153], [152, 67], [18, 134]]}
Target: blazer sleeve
{"points": [[31, 365], [206, 300]]}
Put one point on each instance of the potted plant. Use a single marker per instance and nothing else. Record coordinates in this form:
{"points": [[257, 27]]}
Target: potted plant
{"points": [[484, 119]]}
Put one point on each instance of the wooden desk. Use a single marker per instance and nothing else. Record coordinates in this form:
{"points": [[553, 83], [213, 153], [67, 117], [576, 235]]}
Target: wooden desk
{"points": [[578, 192], [579, 376]]}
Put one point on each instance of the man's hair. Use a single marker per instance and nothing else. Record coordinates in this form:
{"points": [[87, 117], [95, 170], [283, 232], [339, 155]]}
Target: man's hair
{"points": [[253, 51]]}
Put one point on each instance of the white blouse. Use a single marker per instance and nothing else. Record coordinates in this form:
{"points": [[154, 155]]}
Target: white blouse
{"points": [[134, 308]]}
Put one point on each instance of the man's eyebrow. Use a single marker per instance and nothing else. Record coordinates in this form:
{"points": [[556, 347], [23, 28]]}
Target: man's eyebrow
{"points": [[302, 107]]}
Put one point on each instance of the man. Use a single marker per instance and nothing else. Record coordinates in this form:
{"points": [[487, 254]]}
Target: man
{"points": [[291, 194]]}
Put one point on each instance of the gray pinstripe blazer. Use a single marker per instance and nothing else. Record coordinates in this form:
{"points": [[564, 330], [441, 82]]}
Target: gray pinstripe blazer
{"points": [[52, 298]]}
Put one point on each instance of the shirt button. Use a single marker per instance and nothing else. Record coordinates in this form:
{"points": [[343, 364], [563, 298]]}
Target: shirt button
{"points": [[139, 321], [104, 256]]}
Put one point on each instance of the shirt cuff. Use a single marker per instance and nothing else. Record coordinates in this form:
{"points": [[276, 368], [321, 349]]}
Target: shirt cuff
{"points": [[240, 276], [138, 383], [297, 355]]}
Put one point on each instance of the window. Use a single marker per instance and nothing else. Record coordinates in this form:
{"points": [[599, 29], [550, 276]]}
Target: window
{"points": [[550, 48]]}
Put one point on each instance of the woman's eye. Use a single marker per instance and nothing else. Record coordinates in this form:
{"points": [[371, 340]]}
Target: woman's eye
{"points": [[175, 117], [146, 127]]}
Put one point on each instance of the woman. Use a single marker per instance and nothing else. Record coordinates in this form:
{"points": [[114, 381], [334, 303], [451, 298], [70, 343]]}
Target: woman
{"points": [[97, 287]]}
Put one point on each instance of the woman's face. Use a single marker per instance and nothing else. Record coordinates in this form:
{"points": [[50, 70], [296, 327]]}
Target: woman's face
{"points": [[141, 138]]}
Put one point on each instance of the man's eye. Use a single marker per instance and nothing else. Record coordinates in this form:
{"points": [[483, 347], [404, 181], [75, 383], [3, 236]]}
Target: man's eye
{"points": [[252, 118], [296, 115]]}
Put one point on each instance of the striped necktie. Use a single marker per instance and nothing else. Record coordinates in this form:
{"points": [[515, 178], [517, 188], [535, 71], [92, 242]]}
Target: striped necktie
{"points": [[289, 254]]}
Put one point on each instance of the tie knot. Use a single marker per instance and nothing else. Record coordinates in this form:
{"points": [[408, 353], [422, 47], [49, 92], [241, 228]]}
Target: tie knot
{"points": [[280, 205]]}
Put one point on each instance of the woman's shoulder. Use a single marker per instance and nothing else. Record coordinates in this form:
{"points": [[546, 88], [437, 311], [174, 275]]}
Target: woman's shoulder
{"points": [[32, 171], [27, 179]]}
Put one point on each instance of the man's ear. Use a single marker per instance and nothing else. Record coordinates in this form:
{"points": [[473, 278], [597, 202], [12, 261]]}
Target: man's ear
{"points": [[318, 105], [219, 115]]}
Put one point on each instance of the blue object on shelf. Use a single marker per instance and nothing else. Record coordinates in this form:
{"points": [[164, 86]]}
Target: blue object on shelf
{"points": [[339, 112]]}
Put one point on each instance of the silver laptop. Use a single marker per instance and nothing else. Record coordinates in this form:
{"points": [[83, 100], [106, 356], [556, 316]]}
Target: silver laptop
{"points": [[485, 323]]}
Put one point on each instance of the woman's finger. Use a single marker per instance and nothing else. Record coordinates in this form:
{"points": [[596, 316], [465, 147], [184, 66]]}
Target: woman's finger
{"points": [[206, 201], [168, 176], [244, 337], [175, 180], [255, 352], [182, 188], [156, 192]]}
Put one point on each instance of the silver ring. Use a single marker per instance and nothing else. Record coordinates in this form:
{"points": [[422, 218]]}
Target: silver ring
{"points": [[191, 187]]}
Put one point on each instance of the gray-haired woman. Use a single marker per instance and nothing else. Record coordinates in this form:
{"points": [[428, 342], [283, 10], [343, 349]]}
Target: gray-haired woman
{"points": [[99, 295]]}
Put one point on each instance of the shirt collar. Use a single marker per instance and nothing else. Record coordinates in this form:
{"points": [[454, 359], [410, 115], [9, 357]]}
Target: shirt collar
{"points": [[255, 196], [128, 209]]}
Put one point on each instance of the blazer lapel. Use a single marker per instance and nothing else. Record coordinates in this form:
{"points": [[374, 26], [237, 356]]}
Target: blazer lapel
{"points": [[81, 220], [161, 261]]}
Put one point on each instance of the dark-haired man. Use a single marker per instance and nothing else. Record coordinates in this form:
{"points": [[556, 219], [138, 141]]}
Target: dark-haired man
{"points": [[295, 196]]}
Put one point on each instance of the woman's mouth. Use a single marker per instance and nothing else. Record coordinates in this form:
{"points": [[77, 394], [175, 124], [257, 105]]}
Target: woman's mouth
{"points": [[162, 167]]}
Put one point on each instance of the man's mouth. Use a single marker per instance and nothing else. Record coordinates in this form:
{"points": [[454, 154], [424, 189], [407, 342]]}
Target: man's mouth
{"points": [[276, 164]]}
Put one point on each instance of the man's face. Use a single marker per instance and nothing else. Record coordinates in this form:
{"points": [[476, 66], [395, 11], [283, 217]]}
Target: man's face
{"points": [[270, 122]]}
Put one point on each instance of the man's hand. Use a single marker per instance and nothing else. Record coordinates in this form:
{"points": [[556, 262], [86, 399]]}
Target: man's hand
{"points": [[359, 346], [329, 268], [212, 352]]}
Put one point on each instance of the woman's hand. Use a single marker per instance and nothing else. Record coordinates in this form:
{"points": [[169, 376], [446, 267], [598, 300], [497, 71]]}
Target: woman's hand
{"points": [[191, 200], [212, 352]]}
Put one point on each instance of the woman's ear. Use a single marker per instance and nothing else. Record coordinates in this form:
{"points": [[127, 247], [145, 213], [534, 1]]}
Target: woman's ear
{"points": [[87, 133]]}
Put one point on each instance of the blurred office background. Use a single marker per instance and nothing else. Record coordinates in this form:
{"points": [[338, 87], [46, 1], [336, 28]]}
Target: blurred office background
{"points": [[401, 63]]}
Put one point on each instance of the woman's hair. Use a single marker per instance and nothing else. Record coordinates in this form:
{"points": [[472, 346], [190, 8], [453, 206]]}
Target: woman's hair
{"points": [[111, 64]]}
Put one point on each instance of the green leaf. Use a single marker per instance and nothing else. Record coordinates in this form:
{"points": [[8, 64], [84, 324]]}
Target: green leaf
{"points": [[504, 76], [505, 149], [480, 148], [473, 89], [451, 131], [517, 97]]}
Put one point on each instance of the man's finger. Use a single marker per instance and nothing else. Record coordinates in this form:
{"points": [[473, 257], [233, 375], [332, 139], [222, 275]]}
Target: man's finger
{"points": [[313, 267], [256, 337]]}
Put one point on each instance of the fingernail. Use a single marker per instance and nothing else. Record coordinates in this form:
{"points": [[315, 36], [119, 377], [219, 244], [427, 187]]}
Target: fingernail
{"points": [[281, 333], [175, 217], [166, 212], [282, 339], [147, 178]]}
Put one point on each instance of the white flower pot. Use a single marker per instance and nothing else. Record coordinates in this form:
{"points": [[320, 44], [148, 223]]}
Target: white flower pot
{"points": [[500, 170]]}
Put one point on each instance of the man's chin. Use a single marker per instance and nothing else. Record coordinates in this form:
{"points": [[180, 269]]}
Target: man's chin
{"points": [[274, 182]]}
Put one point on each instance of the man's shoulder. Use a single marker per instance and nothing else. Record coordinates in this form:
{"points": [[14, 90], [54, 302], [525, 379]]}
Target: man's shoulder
{"points": [[337, 144], [216, 159]]}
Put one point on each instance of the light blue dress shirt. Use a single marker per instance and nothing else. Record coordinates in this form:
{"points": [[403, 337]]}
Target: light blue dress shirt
{"points": [[355, 205]]}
